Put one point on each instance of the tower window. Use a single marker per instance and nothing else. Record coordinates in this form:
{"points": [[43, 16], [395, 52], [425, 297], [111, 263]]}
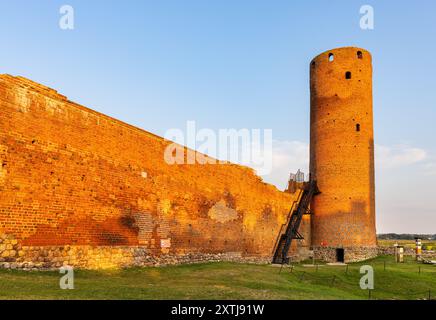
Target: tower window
{"points": [[348, 75], [358, 127], [359, 55], [331, 57], [313, 64]]}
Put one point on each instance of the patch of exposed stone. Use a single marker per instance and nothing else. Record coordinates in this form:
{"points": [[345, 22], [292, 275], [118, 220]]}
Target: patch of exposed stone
{"points": [[352, 254], [15, 256]]}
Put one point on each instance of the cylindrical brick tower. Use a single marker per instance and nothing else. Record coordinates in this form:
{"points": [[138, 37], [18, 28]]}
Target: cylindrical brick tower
{"points": [[342, 155]]}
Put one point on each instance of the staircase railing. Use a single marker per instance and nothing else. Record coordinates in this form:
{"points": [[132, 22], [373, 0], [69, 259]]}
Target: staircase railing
{"points": [[288, 219], [293, 223]]}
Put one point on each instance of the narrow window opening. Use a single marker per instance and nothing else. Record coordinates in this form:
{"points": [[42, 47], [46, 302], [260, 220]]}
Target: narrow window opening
{"points": [[331, 57], [348, 75], [358, 127], [359, 55]]}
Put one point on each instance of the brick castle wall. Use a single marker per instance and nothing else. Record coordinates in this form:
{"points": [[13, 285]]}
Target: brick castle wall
{"points": [[72, 177]]}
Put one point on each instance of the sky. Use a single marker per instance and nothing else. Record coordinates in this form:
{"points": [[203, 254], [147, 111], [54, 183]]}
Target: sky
{"points": [[243, 64]]}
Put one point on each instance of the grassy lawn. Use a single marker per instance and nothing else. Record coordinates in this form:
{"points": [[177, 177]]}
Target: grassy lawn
{"points": [[227, 281]]}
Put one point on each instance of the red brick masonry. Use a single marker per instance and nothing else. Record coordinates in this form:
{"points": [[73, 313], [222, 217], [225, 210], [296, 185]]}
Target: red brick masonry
{"points": [[73, 178]]}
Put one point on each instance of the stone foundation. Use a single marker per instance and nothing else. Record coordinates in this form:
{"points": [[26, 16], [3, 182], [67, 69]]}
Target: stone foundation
{"points": [[351, 254], [407, 252], [15, 256], [300, 254], [391, 251]]}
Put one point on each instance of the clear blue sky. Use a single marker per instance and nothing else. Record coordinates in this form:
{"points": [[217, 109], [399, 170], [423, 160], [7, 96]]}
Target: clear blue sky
{"points": [[242, 64]]}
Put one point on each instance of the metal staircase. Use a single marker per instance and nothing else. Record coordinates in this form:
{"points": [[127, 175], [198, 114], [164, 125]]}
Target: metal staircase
{"points": [[299, 208]]}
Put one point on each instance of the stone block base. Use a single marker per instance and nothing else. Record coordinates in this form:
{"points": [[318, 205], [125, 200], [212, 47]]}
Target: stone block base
{"points": [[15, 256], [346, 254]]}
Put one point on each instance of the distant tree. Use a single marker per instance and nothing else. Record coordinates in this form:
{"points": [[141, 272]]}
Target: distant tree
{"points": [[405, 236]]}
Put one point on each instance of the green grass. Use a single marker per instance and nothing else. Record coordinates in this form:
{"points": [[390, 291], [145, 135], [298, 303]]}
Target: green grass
{"points": [[226, 281]]}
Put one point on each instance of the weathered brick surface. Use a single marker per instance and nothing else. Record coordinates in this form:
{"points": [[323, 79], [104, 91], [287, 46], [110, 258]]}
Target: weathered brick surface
{"points": [[342, 149], [70, 176]]}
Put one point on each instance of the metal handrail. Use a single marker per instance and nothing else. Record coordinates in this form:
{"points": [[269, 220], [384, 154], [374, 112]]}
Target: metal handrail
{"points": [[306, 196], [277, 242]]}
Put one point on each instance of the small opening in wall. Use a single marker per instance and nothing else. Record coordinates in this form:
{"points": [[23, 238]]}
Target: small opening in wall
{"points": [[359, 55], [358, 127], [340, 255], [348, 75], [313, 64], [331, 57]]}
